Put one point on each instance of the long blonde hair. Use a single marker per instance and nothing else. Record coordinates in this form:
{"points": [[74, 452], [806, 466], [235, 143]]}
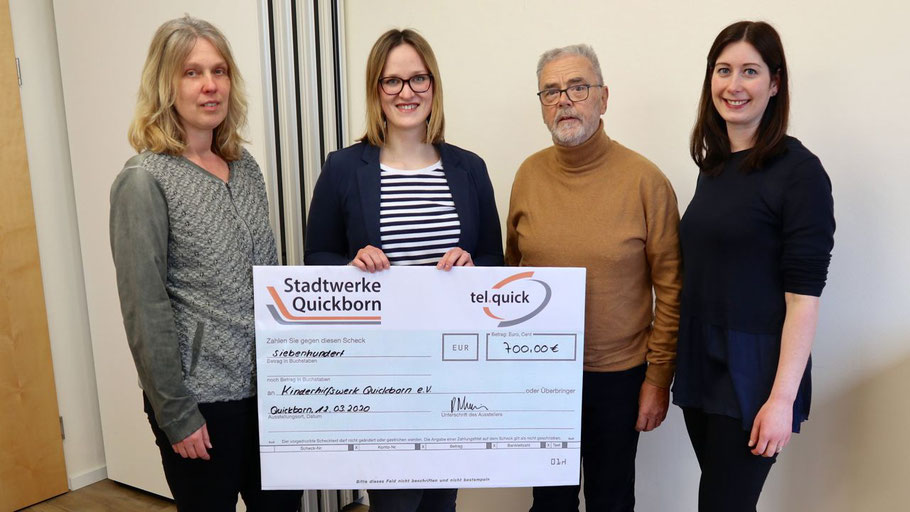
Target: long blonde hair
{"points": [[156, 124], [376, 123]]}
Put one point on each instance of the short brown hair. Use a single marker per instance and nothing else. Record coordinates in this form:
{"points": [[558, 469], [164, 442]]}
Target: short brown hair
{"points": [[376, 123], [710, 144], [156, 124]]}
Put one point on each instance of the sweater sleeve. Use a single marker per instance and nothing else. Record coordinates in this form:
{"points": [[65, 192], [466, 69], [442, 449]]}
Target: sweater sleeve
{"points": [[807, 218], [489, 242], [325, 242], [513, 253], [662, 251], [139, 237]]}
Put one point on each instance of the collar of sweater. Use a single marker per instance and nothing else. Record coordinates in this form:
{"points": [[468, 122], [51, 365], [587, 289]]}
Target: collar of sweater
{"points": [[587, 156]]}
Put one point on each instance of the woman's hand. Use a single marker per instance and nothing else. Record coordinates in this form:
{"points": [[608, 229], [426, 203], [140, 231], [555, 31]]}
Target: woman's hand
{"points": [[455, 257], [370, 259], [773, 424], [772, 427], [195, 445]]}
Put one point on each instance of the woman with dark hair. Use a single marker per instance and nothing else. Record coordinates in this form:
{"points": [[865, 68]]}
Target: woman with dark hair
{"points": [[189, 219], [756, 242], [403, 196]]}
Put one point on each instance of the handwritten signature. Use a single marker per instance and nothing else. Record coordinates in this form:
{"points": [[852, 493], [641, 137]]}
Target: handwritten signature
{"points": [[462, 404]]}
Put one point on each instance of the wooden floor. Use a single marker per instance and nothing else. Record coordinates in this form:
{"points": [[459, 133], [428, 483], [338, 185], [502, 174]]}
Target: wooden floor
{"points": [[105, 496], [109, 496]]}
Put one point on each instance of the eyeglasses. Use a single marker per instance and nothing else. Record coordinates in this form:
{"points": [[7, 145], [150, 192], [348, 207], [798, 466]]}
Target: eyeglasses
{"points": [[575, 93], [393, 85]]}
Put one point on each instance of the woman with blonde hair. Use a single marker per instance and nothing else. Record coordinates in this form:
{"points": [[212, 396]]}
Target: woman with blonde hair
{"points": [[403, 196], [189, 219]]}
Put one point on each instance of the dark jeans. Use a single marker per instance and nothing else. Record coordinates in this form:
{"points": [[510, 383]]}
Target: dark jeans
{"points": [[731, 477], [609, 442], [413, 500], [212, 485]]}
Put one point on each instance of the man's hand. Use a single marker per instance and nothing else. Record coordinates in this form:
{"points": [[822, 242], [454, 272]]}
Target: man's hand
{"points": [[653, 402], [195, 445]]}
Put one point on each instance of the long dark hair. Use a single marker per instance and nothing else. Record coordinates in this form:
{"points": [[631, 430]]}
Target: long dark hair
{"points": [[710, 144]]}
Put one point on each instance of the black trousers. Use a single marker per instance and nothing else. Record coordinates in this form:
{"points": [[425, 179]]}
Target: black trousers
{"points": [[413, 500], [609, 442], [731, 477], [213, 485]]}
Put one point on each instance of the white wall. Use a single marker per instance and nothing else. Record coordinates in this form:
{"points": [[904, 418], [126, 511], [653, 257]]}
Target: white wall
{"points": [[58, 238], [102, 47], [848, 76], [849, 107]]}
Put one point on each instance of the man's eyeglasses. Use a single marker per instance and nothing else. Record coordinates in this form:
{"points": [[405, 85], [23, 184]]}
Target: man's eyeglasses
{"points": [[393, 85], [575, 93]]}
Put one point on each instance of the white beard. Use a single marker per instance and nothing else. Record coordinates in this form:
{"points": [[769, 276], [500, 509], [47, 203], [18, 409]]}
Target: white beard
{"points": [[571, 134]]}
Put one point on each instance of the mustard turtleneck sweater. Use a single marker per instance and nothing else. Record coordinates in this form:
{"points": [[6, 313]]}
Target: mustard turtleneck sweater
{"points": [[604, 207]]}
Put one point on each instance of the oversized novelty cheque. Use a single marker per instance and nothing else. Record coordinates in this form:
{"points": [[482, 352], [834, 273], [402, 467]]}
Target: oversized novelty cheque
{"points": [[419, 378]]}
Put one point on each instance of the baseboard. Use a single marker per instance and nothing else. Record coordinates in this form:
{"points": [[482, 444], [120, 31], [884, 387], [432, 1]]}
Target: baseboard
{"points": [[87, 478]]}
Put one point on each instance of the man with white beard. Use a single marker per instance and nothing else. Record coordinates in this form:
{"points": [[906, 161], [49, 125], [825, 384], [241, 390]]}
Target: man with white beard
{"points": [[588, 201]]}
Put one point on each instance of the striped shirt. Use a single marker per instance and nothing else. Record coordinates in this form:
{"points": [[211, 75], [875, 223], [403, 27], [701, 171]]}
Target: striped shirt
{"points": [[417, 218]]}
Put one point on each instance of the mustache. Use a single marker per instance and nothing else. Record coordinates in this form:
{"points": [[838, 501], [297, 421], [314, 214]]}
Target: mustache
{"points": [[566, 112]]}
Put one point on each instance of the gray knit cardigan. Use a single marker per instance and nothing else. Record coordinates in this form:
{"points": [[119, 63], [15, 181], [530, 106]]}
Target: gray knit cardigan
{"points": [[184, 245]]}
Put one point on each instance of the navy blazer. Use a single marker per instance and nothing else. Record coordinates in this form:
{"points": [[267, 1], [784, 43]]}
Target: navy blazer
{"points": [[344, 211]]}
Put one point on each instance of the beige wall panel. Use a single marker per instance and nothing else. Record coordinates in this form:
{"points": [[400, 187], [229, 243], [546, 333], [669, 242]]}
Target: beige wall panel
{"points": [[31, 449], [35, 38]]}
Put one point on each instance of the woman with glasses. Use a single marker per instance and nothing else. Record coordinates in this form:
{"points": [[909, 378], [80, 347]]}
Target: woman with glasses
{"points": [[403, 196], [756, 241]]}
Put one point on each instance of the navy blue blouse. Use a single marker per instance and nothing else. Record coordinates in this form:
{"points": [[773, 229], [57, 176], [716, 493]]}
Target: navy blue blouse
{"points": [[746, 239]]}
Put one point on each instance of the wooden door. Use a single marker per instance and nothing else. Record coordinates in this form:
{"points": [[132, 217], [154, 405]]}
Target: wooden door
{"points": [[31, 446]]}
